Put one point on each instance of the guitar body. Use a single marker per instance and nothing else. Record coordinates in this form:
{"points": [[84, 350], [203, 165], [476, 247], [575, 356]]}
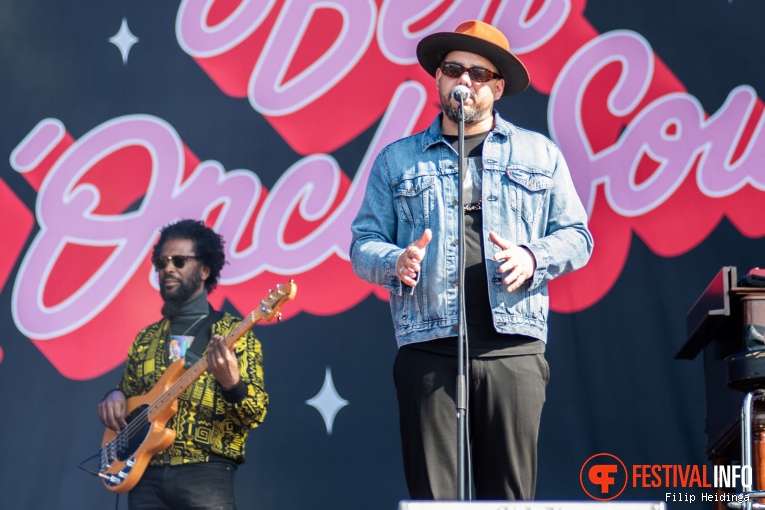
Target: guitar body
{"points": [[123, 460]]}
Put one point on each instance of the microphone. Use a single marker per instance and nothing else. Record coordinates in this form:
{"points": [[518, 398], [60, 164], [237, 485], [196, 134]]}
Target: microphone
{"points": [[460, 93]]}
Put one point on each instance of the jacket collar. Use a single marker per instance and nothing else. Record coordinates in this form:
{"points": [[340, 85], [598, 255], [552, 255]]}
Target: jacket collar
{"points": [[433, 134]]}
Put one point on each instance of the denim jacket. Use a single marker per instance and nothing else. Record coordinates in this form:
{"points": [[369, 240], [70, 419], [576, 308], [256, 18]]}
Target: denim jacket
{"points": [[528, 198]]}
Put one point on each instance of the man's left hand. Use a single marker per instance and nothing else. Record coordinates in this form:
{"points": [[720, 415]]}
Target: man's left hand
{"points": [[518, 262], [222, 362]]}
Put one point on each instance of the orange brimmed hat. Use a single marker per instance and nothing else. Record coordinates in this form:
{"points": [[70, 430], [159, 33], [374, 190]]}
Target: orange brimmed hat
{"points": [[479, 38]]}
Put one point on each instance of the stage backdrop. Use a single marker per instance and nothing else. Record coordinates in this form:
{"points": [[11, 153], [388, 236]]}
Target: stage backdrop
{"points": [[263, 118]]}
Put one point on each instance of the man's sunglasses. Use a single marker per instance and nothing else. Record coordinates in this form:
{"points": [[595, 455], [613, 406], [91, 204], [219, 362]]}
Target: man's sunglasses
{"points": [[178, 261], [480, 74]]}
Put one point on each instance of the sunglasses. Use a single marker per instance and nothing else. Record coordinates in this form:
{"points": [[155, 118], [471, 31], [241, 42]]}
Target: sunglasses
{"points": [[178, 261], [479, 74]]}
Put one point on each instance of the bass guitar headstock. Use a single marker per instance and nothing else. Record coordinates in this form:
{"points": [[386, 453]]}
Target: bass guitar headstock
{"points": [[270, 305]]}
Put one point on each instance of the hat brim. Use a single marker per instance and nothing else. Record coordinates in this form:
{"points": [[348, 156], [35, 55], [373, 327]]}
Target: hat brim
{"points": [[432, 50]]}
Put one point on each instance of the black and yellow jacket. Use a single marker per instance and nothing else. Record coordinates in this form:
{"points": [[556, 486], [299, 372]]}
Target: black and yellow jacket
{"points": [[209, 421]]}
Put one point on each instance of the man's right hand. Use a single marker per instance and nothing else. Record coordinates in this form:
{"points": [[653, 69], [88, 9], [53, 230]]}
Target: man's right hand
{"points": [[112, 410], [408, 263]]}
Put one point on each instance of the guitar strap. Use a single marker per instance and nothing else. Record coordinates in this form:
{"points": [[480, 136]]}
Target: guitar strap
{"points": [[198, 346]]}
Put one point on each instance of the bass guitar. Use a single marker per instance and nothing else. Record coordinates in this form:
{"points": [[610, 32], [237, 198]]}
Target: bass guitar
{"points": [[123, 456]]}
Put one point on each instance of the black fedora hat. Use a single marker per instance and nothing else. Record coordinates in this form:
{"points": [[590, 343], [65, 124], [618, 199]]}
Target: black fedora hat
{"points": [[479, 38]]}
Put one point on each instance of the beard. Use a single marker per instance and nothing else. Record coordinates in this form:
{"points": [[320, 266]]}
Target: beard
{"points": [[472, 113], [175, 298]]}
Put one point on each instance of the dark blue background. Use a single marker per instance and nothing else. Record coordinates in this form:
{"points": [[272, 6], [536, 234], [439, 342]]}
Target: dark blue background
{"points": [[614, 388]]}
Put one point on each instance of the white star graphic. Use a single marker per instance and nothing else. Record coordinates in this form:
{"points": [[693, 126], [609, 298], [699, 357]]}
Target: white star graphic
{"points": [[124, 40], [327, 401]]}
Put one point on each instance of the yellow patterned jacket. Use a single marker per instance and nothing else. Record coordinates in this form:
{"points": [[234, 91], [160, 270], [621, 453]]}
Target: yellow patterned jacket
{"points": [[207, 421]]}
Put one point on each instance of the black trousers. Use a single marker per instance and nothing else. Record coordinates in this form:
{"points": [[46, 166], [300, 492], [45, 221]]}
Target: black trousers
{"points": [[201, 486], [506, 395]]}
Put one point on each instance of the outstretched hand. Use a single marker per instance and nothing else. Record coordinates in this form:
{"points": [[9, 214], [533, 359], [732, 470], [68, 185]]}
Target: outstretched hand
{"points": [[408, 263], [518, 263]]}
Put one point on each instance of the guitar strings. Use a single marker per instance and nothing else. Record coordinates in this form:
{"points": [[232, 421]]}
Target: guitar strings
{"points": [[143, 417], [139, 421]]}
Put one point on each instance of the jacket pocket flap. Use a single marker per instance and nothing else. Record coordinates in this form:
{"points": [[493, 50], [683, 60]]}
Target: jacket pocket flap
{"points": [[529, 178], [412, 187]]}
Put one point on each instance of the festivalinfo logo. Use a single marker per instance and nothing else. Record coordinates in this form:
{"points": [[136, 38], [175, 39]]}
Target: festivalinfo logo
{"points": [[604, 477]]}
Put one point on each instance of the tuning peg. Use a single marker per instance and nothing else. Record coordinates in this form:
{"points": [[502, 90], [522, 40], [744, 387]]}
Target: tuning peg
{"points": [[279, 317]]}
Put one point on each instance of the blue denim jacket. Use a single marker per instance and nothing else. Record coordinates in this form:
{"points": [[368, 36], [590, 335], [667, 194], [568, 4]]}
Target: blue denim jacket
{"points": [[528, 198]]}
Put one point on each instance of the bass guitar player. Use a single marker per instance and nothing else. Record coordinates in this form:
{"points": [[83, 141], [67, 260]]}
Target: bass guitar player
{"points": [[203, 440]]}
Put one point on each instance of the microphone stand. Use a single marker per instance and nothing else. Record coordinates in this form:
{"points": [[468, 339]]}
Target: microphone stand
{"points": [[461, 400]]}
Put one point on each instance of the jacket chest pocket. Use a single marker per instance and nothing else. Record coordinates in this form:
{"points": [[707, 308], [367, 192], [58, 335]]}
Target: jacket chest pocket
{"points": [[414, 199], [529, 190]]}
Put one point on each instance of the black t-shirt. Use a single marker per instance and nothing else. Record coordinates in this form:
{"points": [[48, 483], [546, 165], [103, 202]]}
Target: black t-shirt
{"points": [[484, 340]]}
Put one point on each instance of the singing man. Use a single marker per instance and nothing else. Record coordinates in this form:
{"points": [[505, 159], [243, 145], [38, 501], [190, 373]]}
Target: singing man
{"points": [[524, 225]]}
